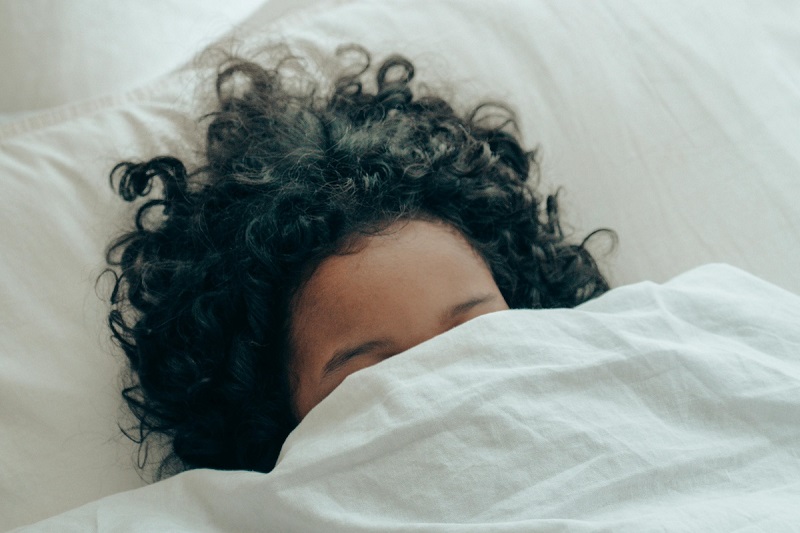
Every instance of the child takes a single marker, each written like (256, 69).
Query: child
(331, 228)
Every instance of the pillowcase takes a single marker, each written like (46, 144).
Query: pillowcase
(675, 125)
(60, 52)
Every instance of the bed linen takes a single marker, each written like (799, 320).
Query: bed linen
(654, 408)
(677, 124)
(55, 52)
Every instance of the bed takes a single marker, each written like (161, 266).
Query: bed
(669, 404)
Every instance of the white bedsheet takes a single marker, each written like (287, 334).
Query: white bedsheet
(656, 407)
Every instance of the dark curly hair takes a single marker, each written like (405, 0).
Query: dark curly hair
(294, 169)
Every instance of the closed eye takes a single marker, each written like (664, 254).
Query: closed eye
(340, 357)
(459, 309)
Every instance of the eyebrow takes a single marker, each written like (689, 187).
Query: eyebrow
(340, 357)
(463, 307)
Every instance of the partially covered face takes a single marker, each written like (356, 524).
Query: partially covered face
(400, 288)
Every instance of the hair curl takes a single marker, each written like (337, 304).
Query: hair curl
(204, 282)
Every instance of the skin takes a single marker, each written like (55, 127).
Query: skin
(407, 285)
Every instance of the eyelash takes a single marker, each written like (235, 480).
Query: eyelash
(385, 355)
(381, 356)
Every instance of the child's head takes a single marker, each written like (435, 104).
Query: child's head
(387, 294)
(330, 228)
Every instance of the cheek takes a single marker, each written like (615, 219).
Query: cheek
(309, 392)
(308, 395)
(302, 374)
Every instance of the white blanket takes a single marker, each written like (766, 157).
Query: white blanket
(670, 407)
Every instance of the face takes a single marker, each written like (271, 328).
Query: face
(412, 282)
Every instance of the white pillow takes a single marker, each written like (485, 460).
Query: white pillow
(60, 52)
(677, 125)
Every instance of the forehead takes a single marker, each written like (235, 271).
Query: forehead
(419, 260)
(404, 251)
